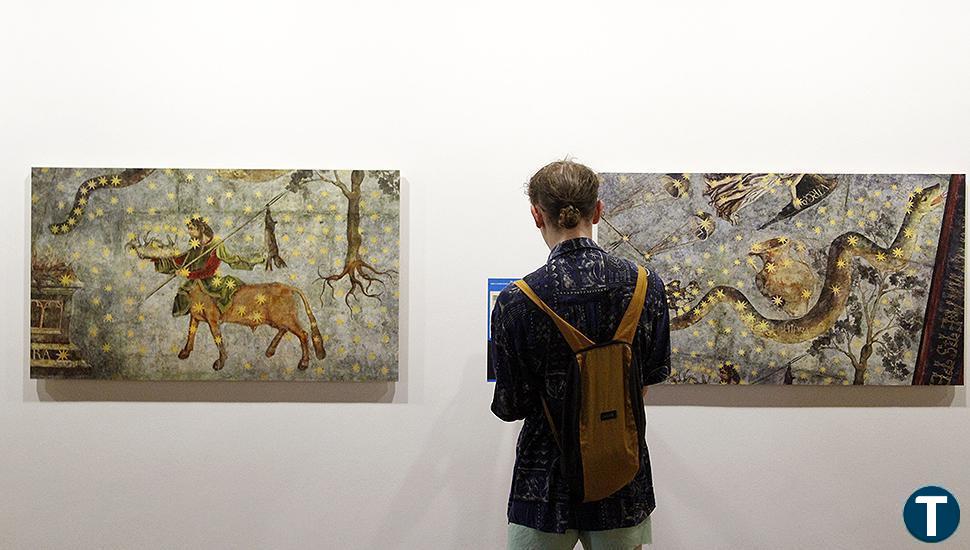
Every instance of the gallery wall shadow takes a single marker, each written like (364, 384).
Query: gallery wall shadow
(704, 395)
(217, 391)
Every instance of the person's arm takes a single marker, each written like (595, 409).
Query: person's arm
(656, 352)
(512, 399)
(237, 261)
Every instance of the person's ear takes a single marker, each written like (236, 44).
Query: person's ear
(537, 216)
(597, 212)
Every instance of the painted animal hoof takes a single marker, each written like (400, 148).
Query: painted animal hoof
(218, 364)
(304, 364)
(184, 354)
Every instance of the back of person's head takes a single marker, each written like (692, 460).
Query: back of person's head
(566, 191)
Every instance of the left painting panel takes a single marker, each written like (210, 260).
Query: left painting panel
(198, 274)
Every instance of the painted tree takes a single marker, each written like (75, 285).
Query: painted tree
(361, 274)
(881, 313)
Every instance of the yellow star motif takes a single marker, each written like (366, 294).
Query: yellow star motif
(82, 201)
(777, 300)
(217, 281)
(806, 294)
(193, 329)
(836, 289)
(256, 316)
(740, 305)
(720, 293)
(880, 257)
(217, 339)
(769, 267)
(228, 194)
(190, 177)
(241, 310)
(108, 318)
(909, 233)
(198, 307)
(853, 240)
(841, 263)
(260, 299)
(898, 252)
(194, 243)
(106, 347)
(65, 280)
(210, 200)
(182, 272)
(62, 355)
(230, 284)
(116, 181)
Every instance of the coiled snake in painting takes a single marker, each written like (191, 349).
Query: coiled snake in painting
(838, 279)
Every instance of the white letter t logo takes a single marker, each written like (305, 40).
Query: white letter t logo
(931, 503)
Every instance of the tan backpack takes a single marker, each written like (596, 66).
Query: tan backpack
(600, 440)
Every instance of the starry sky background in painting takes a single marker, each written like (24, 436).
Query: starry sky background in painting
(638, 206)
(121, 337)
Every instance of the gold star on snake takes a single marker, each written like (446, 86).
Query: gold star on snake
(841, 263)
(836, 289)
(853, 240)
(880, 257)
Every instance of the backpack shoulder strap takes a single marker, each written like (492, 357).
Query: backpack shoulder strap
(576, 340)
(631, 319)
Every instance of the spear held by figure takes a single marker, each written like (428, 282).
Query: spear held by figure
(273, 255)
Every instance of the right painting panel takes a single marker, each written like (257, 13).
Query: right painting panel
(823, 279)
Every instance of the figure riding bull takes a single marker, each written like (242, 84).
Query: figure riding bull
(209, 297)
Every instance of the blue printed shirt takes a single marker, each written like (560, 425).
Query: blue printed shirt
(591, 290)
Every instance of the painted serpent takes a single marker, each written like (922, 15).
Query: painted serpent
(838, 279)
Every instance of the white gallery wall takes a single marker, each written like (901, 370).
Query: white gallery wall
(467, 100)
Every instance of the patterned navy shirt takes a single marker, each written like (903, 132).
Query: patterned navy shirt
(591, 290)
